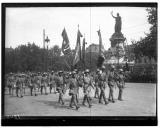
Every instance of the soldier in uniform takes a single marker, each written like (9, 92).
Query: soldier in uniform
(102, 85)
(52, 83)
(87, 88)
(120, 84)
(44, 83)
(10, 80)
(32, 83)
(73, 85)
(96, 95)
(111, 83)
(19, 84)
(60, 87)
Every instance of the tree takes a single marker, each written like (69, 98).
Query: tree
(148, 46)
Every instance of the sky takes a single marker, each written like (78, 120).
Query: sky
(25, 25)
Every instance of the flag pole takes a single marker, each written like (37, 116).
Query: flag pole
(43, 49)
(84, 53)
(100, 45)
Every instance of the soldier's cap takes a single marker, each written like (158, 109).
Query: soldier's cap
(103, 67)
(98, 70)
(112, 66)
(70, 73)
(87, 71)
(121, 70)
(74, 72)
(60, 72)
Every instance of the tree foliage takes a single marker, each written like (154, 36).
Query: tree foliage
(148, 46)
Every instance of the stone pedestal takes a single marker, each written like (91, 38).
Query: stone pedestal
(117, 48)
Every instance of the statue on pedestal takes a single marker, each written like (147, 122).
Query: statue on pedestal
(118, 23)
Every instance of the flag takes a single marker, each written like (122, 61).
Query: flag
(78, 49)
(65, 44)
(83, 50)
(101, 57)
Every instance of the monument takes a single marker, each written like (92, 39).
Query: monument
(117, 42)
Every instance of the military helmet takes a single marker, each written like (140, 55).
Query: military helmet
(98, 70)
(112, 67)
(121, 70)
(87, 71)
(60, 72)
(103, 67)
(74, 72)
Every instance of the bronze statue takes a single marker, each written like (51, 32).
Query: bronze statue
(118, 23)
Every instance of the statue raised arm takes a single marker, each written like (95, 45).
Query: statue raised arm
(118, 23)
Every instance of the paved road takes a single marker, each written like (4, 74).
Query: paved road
(139, 100)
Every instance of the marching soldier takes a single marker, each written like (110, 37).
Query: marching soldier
(60, 87)
(33, 84)
(44, 83)
(111, 83)
(10, 81)
(52, 83)
(73, 85)
(120, 84)
(96, 95)
(19, 84)
(87, 88)
(102, 85)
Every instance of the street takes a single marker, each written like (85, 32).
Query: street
(139, 99)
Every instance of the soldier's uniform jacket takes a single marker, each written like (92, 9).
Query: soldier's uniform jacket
(19, 82)
(52, 79)
(44, 81)
(73, 85)
(60, 83)
(87, 84)
(39, 80)
(10, 81)
(102, 80)
(111, 79)
(96, 79)
(121, 80)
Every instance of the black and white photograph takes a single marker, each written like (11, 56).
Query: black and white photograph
(79, 60)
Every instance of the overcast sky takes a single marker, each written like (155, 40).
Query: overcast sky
(25, 25)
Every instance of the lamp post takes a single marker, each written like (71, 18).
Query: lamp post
(47, 40)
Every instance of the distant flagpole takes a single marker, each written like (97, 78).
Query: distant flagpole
(100, 41)
(83, 51)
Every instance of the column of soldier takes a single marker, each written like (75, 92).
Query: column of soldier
(61, 81)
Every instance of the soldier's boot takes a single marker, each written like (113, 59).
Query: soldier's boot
(84, 100)
(71, 103)
(77, 98)
(50, 89)
(61, 98)
(100, 98)
(45, 91)
(89, 102)
(77, 107)
(113, 101)
(120, 95)
(109, 98)
(75, 101)
(17, 92)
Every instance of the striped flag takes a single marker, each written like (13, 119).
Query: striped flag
(78, 48)
(65, 44)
